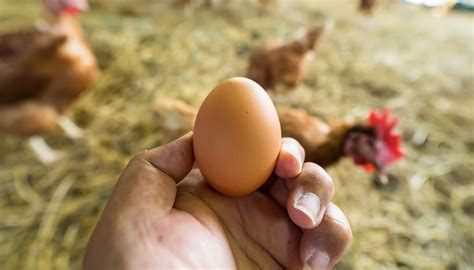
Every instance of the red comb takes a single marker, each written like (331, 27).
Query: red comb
(73, 11)
(384, 125)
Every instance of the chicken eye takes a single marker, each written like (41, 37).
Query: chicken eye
(371, 143)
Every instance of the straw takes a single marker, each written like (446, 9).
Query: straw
(419, 65)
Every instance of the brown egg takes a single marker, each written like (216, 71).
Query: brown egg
(237, 137)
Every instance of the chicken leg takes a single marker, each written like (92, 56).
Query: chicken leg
(70, 128)
(42, 150)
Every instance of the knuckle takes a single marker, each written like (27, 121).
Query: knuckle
(317, 174)
(140, 159)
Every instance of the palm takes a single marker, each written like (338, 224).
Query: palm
(210, 229)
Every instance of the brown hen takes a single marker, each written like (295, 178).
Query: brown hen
(43, 71)
(285, 63)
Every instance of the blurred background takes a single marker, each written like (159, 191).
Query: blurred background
(416, 58)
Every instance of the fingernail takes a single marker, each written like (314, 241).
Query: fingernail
(309, 204)
(293, 150)
(300, 165)
(319, 260)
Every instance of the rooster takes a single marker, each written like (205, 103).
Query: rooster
(285, 63)
(42, 72)
(372, 144)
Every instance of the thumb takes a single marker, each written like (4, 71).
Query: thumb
(150, 178)
(146, 190)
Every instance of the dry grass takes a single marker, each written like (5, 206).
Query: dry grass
(419, 65)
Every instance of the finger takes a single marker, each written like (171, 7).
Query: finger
(323, 246)
(289, 164)
(290, 159)
(309, 195)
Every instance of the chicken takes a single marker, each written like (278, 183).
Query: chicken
(285, 63)
(42, 72)
(371, 144)
(367, 7)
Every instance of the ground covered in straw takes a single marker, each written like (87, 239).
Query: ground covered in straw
(408, 59)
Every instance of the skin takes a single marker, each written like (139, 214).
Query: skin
(163, 215)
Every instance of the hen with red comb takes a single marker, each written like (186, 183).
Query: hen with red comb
(372, 144)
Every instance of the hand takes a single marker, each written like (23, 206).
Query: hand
(163, 215)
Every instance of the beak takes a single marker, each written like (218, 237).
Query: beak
(380, 175)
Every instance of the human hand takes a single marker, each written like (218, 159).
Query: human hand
(163, 215)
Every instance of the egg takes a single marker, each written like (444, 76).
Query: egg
(237, 137)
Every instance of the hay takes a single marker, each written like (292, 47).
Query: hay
(419, 65)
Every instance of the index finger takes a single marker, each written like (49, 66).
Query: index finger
(289, 165)
(290, 159)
